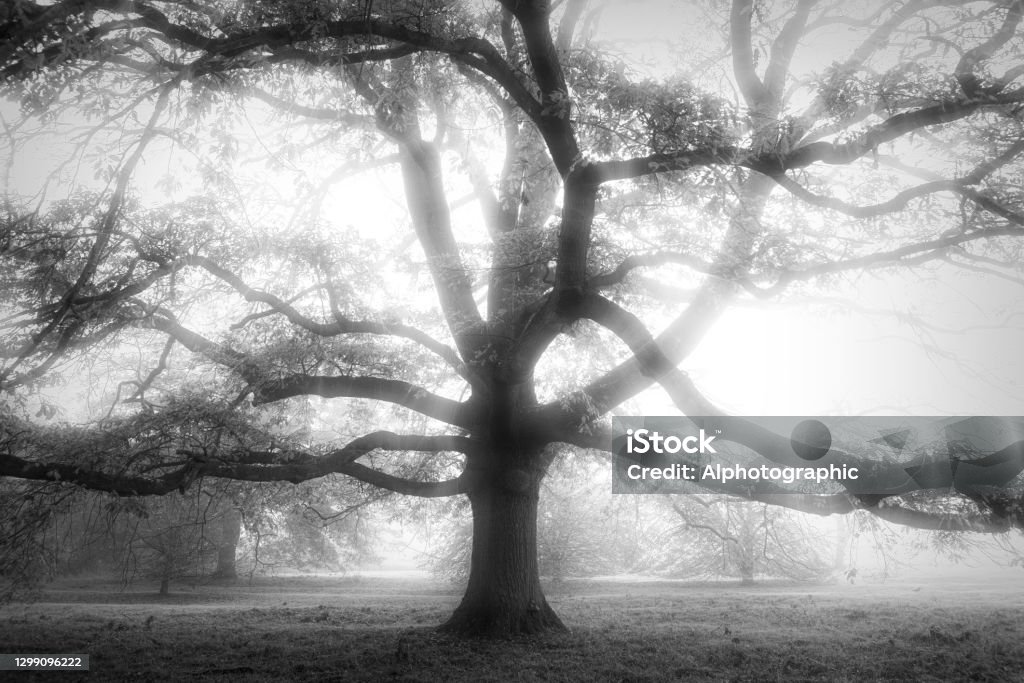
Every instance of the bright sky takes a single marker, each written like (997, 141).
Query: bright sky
(836, 358)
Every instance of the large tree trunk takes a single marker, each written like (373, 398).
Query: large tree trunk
(504, 595)
(230, 531)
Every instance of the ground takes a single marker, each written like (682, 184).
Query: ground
(374, 629)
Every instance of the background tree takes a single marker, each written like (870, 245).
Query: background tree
(714, 538)
(168, 543)
(316, 526)
(229, 532)
(747, 174)
(53, 531)
(28, 551)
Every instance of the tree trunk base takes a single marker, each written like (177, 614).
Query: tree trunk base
(498, 622)
(504, 597)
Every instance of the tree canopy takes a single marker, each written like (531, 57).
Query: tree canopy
(579, 219)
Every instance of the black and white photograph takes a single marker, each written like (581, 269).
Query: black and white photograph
(512, 340)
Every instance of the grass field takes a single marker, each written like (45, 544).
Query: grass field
(359, 629)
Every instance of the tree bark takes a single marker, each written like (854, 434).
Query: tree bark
(230, 531)
(504, 596)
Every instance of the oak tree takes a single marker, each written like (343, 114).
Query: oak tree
(552, 195)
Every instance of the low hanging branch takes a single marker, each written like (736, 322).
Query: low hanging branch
(295, 467)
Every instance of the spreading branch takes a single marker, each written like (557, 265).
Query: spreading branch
(393, 391)
(299, 469)
(340, 324)
(269, 388)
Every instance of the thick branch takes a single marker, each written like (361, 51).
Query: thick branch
(892, 128)
(375, 388)
(753, 90)
(580, 199)
(553, 118)
(408, 487)
(683, 160)
(888, 509)
(196, 343)
(652, 361)
(431, 218)
(783, 47)
(268, 389)
(966, 70)
(340, 461)
(979, 522)
(567, 25)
